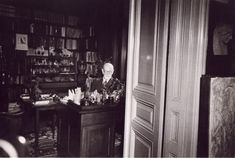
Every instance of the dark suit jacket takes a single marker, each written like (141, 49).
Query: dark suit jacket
(113, 84)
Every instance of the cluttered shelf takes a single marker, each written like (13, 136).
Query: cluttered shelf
(65, 84)
(51, 45)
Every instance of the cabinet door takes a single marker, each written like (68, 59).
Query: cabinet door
(63, 133)
(74, 127)
(97, 140)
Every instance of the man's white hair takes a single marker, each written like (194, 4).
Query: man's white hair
(108, 65)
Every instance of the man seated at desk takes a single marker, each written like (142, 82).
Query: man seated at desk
(107, 83)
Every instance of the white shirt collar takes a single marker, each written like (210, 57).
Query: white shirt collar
(106, 79)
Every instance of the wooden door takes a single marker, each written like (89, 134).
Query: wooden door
(147, 49)
(186, 64)
(166, 58)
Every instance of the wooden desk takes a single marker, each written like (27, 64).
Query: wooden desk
(87, 131)
(83, 131)
(50, 106)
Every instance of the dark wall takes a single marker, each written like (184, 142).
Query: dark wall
(221, 13)
(112, 33)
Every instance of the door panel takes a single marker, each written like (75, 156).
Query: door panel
(146, 76)
(175, 101)
(185, 66)
(145, 85)
(144, 114)
(97, 140)
(143, 147)
(146, 50)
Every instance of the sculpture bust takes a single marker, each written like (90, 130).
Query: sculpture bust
(221, 37)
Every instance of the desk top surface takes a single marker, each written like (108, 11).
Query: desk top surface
(74, 106)
(51, 104)
(44, 104)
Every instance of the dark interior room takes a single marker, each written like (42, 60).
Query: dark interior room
(51, 54)
(117, 78)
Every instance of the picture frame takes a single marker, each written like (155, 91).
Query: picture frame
(21, 42)
(220, 44)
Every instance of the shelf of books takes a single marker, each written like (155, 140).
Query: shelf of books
(51, 48)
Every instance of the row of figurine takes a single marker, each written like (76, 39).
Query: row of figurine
(77, 96)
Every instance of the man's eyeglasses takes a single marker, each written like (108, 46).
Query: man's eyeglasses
(108, 71)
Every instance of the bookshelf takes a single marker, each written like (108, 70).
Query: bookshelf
(47, 47)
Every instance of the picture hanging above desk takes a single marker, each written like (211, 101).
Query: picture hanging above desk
(21, 42)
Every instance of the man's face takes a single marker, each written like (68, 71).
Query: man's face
(107, 71)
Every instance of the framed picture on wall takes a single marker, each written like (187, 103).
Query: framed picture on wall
(21, 42)
(222, 35)
(221, 43)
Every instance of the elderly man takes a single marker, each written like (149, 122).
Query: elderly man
(107, 83)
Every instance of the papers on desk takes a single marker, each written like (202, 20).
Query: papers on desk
(25, 96)
(45, 96)
(41, 102)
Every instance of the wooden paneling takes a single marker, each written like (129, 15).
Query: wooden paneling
(172, 155)
(146, 57)
(175, 55)
(96, 140)
(87, 133)
(176, 69)
(96, 118)
(144, 115)
(143, 147)
(174, 127)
